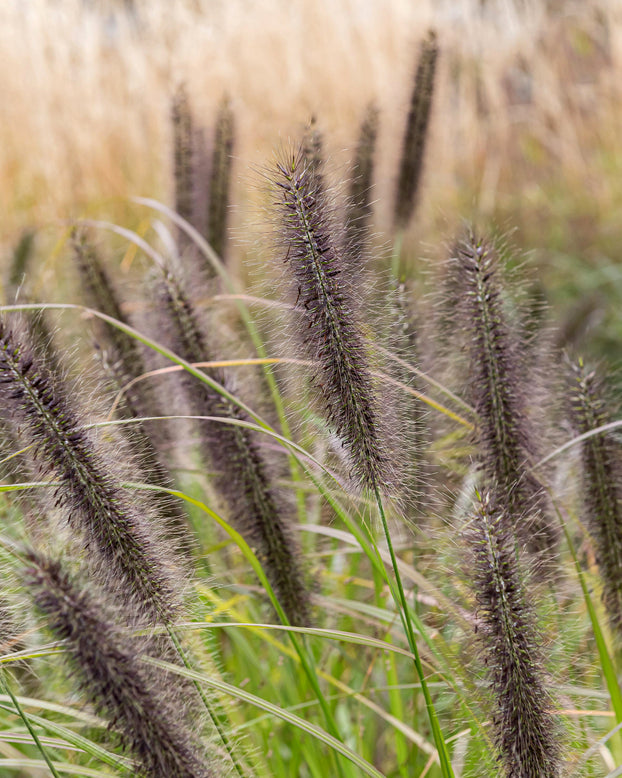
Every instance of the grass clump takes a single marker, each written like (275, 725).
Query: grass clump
(359, 474)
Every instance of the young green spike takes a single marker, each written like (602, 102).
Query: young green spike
(140, 705)
(413, 146)
(499, 390)
(601, 485)
(330, 332)
(526, 734)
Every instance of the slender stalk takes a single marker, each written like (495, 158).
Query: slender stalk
(402, 605)
(20, 711)
(215, 719)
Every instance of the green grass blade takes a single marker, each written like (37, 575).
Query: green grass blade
(4, 683)
(275, 710)
(80, 742)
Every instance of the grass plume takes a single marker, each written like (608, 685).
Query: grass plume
(139, 705)
(220, 178)
(125, 361)
(182, 121)
(122, 362)
(601, 484)
(525, 733)
(413, 145)
(500, 389)
(326, 319)
(243, 478)
(42, 412)
(360, 204)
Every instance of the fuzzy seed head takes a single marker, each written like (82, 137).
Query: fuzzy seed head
(181, 116)
(220, 179)
(525, 732)
(124, 361)
(360, 205)
(126, 554)
(601, 485)
(326, 319)
(499, 392)
(413, 148)
(242, 477)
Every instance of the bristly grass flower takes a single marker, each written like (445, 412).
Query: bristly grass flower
(525, 732)
(361, 182)
(123, 364)
(125, 550)
(243, 476)
(413, 146)
(334, 341)
(220, 178)
(601, 486)
(182, 121)
(328, 326)
(140, 704)
(500, 391)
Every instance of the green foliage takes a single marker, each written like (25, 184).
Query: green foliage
(224, 547)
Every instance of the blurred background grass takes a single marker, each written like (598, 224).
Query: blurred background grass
(525, 135)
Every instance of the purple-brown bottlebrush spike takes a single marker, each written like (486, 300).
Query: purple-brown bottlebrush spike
(359, 204)
(243, 477)
(181, 116)
(125, 362)
(413, 146)
(17, 291)
(411, 411)
(220, 178)
(313, 150)
(526, 734)
(500, 392)
(122, 362)
(184, 164)
(326, 319)
(125, 551)
(601, 486)
(140, 705)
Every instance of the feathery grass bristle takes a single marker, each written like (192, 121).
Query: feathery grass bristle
(601, 485)
(359, 203)
(42, 412)
(181, 115)
(500, 390)
(122, 362)
(220, 178)
(526, 734)
(139, 704)
(327, 322)
(125, 361)
(243, 476)
(413, 146)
